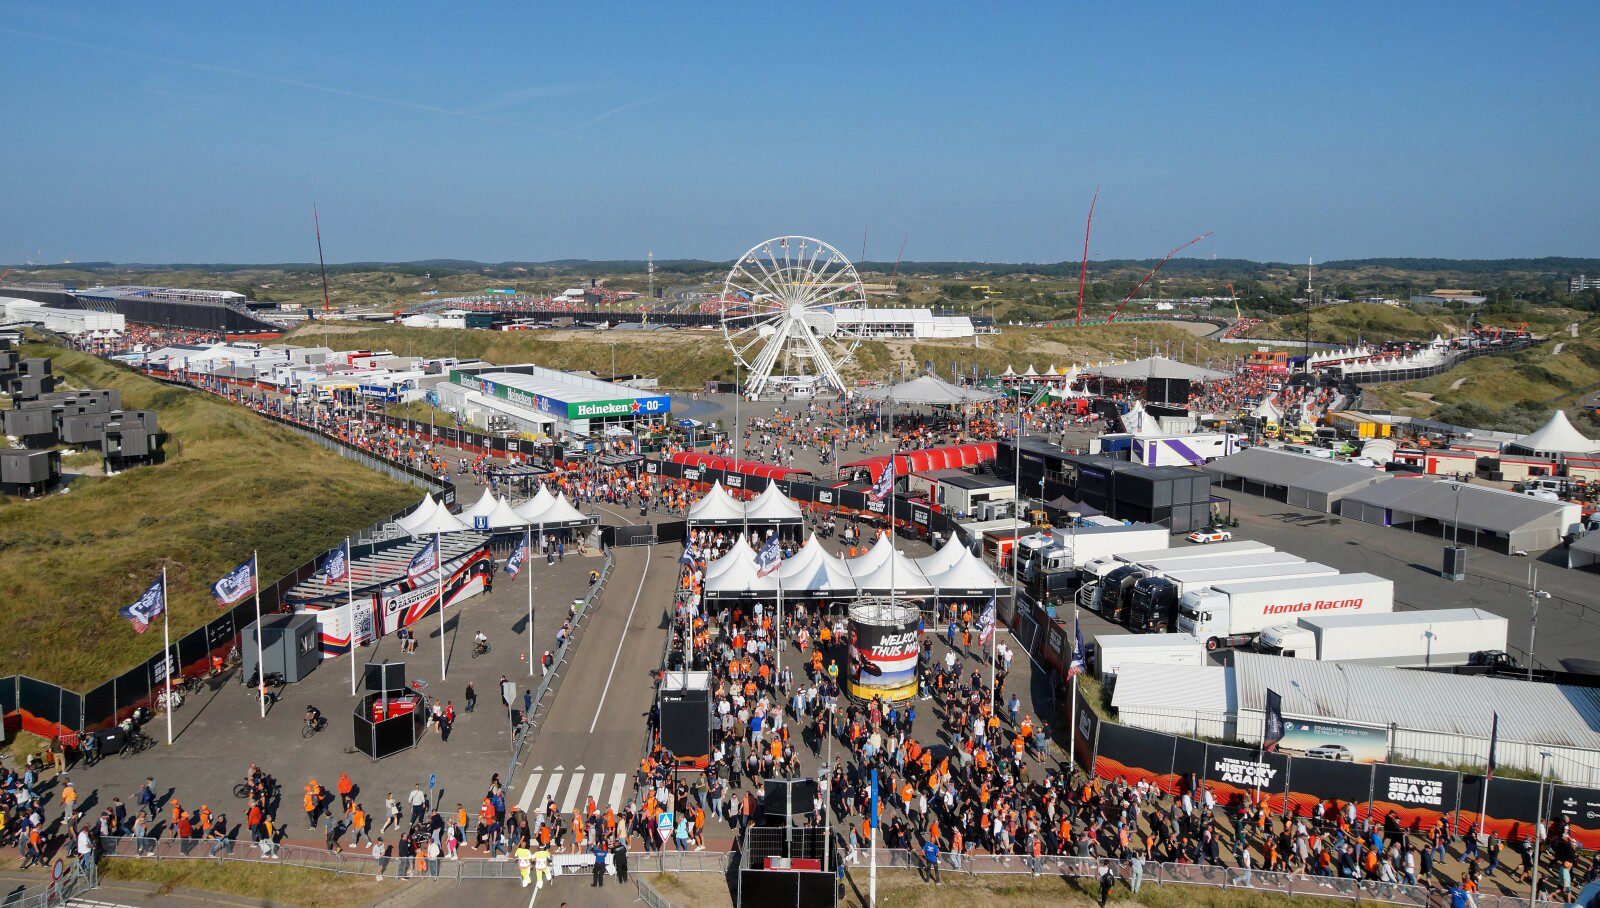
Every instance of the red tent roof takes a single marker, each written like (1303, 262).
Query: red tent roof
(949, 457)
(730, 465)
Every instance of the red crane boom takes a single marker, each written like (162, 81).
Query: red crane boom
(1083, 272)
(1140, 285)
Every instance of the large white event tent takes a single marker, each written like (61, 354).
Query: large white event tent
(951, 572)
(430, 517)
(719, 508)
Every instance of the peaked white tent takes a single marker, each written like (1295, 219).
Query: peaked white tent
(740, 552)
(771, 506)
(716, 507)
(558, 513)
(896, 574)
(739, 577)
(483, 507)
(504, 517)
(535, 505)
(419, 515)
(869, 560)
(968, 576)
(814, 570)
(1556, 437)
(942, 559)
(436, 520)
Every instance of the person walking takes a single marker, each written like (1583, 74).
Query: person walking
(524, 864)
(1136, 872)
(419, 804)
(471, 697)
(1107, 880)
(930, 856)
(619, 860)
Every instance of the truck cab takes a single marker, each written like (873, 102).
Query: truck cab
(1115, 590)
(1201, 613)
(1153, 605)
(1288, 640)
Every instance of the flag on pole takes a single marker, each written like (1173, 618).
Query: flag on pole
(1494, 741)
(874, 799)
(146, 608)
(518, 555)
(235, 586)
(1272, 729)
(335, 565)
(768, 559)
(425, 560)
(689, 556)
(1076, 666)
(986, 623)
(885, 484)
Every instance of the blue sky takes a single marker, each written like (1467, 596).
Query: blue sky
(204, 132)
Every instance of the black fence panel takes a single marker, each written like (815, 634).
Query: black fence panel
(1513, 808)
(1328, 782)
(100, 705)
(39, 699)
(8, 694)
(133, 688)
(1418, 798)
(1134, 755)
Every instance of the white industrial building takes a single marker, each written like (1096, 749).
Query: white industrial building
(919, 324)
(535, 400)
(73, 322)
(1433, 717)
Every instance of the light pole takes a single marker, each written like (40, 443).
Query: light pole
(1534, 595)
(1455, 559)
(1538, 830)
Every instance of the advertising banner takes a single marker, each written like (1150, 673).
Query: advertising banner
(1134, 755)
(1328, 782)
(883, 658)
(1235, 773)
(1341, 742)
(1083, 735)
(1188, 766)
(1581, 807)
(1417, 797)
(1513, 807)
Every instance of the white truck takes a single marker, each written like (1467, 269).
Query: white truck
(1111, 596)
(1113, 650)
(1231, 614)
(1095, 569)
(1048, 564)
(1433, 638)
(1153, 601)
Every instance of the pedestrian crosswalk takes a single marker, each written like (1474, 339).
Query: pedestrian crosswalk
(570, 789)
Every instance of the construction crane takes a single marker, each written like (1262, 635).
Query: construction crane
(1140, 285)
(1083, 270)
(1233, 295)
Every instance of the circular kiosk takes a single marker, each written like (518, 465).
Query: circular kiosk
(884, 644)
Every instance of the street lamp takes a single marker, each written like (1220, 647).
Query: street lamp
(1455, 559)
(1538, 829)
(1534, 595)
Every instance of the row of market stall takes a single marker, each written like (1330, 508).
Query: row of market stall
(771, 508)
(543, 513)
(950, 573)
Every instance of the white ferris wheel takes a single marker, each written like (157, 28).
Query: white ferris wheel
(779, 312)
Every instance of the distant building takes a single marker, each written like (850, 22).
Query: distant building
(902, 322)
(1582, 282)
(1444, 297)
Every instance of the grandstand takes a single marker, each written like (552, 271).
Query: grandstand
(221, 311)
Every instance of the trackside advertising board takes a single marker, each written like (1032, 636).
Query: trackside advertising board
(1339, 742)
(642, 405)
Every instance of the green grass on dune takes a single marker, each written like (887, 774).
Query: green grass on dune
(231, 482)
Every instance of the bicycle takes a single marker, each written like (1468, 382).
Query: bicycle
(479, 649)
(137, 742)
(312, 727)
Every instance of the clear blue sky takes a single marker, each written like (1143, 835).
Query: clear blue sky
(204, 132)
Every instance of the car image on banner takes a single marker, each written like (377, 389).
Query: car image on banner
(1339, 742)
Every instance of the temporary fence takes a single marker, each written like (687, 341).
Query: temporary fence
(1163, 874)
(548, 682)
(75, 880)
(360, 860)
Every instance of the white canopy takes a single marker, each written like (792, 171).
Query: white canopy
(540, 501)
(941, 560)
(741, 577)
(869, 560)
(897, 574)
(813, 569)
(559, 511)
(437, 520)
(419, 515)
(740, 552)
(483, 507)
(967, 574)
(716, 505)
(772, 504)
(929, 390)
(1558, 436)
(504, 517)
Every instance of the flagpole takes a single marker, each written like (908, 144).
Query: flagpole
(350, 611)
(1016, 539)
(1488, 776)
(438, 558)
(1072, 694)
(255, 565)
(527, 565)
(166, 633)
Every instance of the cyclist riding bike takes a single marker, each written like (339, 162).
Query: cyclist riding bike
(480, 642)
(313, 717)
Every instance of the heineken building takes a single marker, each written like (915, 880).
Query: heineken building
(538, 401)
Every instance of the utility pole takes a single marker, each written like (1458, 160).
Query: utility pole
(1534, 595)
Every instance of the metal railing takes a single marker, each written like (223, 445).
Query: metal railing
(1269, 882)
(547, 683)
(359, 859)
(76, 880)
(649, 895)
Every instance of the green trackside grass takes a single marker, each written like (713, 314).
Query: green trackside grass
(1345, 323)
(231, 482)
(269, 883)
(1537, 375)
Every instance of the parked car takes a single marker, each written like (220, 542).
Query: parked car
(1211, 534)
(1336, 752)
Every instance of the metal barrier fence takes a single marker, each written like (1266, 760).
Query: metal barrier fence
(359, 860)
(76, 880)
(548, 681)
(649, 895)
(1270, 883)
